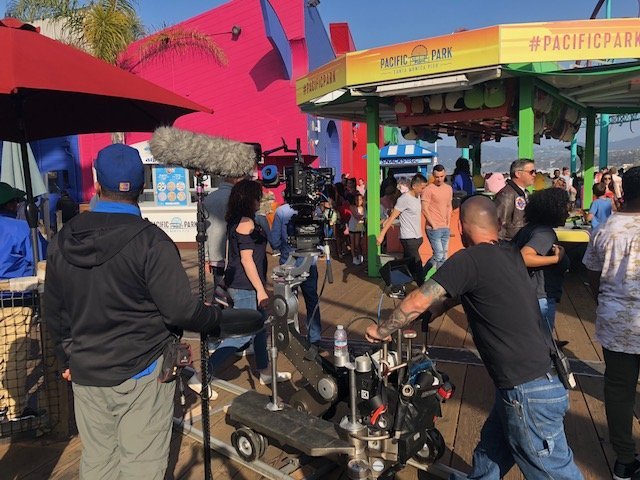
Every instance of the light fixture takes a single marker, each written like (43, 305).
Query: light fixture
(599, 86)
(429, 85)
(235, 32)
(329, 97)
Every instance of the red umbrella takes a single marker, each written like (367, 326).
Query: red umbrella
(49, 89)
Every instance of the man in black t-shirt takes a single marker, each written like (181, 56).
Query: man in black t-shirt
(489, 278)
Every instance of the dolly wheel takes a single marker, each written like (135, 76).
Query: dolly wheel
(248, 444)
(264, 443)
(433, 447)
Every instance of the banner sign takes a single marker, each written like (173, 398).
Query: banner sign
(321, 81)
(448, 53)
(387, 162)
(500, 45)
(568, 41)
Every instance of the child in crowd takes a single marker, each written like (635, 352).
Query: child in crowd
(357, 228)
(330, 218)
(601, 207)
(344, 214)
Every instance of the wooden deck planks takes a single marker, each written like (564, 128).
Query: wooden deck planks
(579, 297)
(353, 295)
(448, 424)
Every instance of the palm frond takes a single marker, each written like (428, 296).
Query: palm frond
(31, 10)
(175, 40)
(109, 26)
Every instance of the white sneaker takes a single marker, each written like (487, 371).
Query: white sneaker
(356, 260)
(195, 384)
(266, 379)
(246, 352)
(212, 345)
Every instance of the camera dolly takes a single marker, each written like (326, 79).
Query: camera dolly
(393, 398)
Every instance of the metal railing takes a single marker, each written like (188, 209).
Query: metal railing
(34, 399)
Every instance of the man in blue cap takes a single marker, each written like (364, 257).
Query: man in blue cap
(116, 296)
(16, 260)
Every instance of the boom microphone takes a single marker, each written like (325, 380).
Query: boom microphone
(214, 155)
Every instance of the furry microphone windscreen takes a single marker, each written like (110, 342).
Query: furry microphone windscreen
(214, 155)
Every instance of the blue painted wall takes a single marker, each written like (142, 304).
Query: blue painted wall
(320, 51)
(276, 35)
(319, 46)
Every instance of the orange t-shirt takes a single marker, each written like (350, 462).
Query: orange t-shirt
(436, 201)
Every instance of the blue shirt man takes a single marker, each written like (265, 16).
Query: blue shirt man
(600, 211)
(278, 240)
(16, 253)
(16, 260)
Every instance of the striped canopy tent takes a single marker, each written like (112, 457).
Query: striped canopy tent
(410, 154)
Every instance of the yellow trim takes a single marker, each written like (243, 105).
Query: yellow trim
(571, 235)
(516, 43)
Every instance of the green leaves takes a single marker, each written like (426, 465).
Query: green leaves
(105, 28)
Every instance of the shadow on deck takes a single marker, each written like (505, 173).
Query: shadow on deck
(355, 307)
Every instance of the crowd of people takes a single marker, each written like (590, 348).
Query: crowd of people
(509, 279)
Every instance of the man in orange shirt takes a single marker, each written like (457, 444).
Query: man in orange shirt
(437, 207)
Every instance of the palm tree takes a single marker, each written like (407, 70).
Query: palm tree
(105, 28)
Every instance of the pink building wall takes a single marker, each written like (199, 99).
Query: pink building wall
(353, 135)
(252, 97)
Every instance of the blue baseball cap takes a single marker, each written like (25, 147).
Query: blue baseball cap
(119, 168)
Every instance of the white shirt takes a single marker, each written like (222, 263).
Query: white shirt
(568, 180)
(410, 208)
(615, 251)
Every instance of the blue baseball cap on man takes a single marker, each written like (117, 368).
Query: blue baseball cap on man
(119, 168)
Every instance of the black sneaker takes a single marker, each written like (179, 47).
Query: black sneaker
(626, 471)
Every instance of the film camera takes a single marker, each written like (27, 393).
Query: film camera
(305, 189)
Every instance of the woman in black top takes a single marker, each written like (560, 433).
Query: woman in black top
(542, 255)
(246, 272)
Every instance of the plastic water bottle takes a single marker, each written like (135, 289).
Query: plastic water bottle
(340, 348)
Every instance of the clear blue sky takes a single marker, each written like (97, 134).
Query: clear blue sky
(382, 22)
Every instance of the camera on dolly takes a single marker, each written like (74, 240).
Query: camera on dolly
(305, 188)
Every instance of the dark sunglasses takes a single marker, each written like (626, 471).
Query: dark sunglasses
(530, 172)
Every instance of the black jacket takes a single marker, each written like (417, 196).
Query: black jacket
(115, 290)
(510, 202)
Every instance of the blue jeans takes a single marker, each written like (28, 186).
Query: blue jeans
(309, 290)
(228, 346)
(526, 426)
(439, 240)
(548, 310)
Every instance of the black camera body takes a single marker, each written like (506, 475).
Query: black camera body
(306, 185)
(305, 188)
